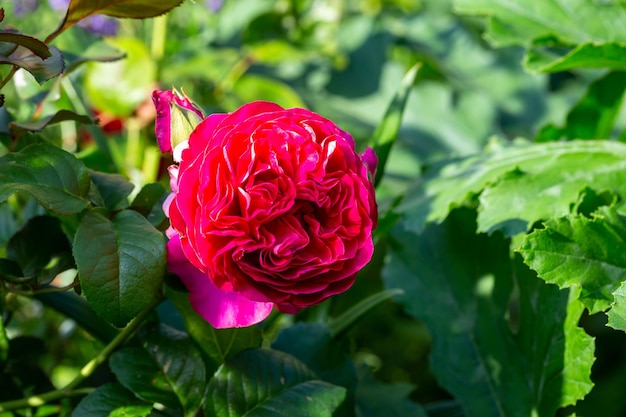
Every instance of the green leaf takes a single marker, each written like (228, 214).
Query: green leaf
(41, 248)
(35, 45)
(586, 24)
(218, 344)
(55, 178)
(500, 347)
(4, 341)
(137, 9)
(41, 69)
(18, 129)
(111, 400)
(387, 130)
(113, 190)
(121, 263)
(167, 368)
(542, 181)
(119, 87)
(594, 115)
(375, 399)
(269, 383)
(148, 203)
(586, 55)
(581, 252)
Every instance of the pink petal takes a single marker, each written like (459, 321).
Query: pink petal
(222, 309)
(370, 160)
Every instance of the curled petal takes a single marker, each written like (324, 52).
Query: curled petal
(370, 160)
(222, 309)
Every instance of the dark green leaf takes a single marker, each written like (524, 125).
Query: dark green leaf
(581, 252)
(35, 45)
(18, 129)
(523, 183)
(121, 263)
(496, 359)
(4, 343)
(55, 178)
(375, 399)
(313, 344)
(137, 9)
(113, 189)
(167, 368)
(41, 69)
(218, 344)
(111, 400)
(268, 383)
(41, 248)
(594, 115)
(387, 131)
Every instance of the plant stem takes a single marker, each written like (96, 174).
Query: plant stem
(70, 389)
(9, 76)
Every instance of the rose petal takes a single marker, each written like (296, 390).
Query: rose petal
(222, 309)
(163, 101)
(370, 160)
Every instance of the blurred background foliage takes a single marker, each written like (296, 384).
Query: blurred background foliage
(341, 58)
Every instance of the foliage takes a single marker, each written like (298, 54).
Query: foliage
(498, 284)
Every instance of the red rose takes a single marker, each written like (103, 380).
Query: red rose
(270, 206)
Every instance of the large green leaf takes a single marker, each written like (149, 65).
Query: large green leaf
(218, 344)
(55, 178)
(540, 23)
(376, 399)
(110, 190)
(586, 55)
(138, 9)
(520, 184)
(581, 252)
(594, 115)
(269, 383)
(121, 263)
(111, 400)
(505, 343)
(167, 368)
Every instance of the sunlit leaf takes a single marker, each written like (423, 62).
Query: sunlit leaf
(520, 184)
(41, 69)
(17, 128)
(137, 9)
(55, 178)
(581, 252)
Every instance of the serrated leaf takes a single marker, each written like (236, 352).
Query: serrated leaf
(41, 69)
(137, 9)
(387, 130)
(532, 363)
(121, 263)
(17, 129)
(617, 313)
(167, 368)
(111, 400)
(594, 115)
(218, 344)
(269, 383)
(521, 184)
(114, 189)
(55, 178)
(38, 243)
(35, 45)
(575, 251)
(586, 55)
(586, 24)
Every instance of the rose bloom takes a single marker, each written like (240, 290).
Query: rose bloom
(269, 207)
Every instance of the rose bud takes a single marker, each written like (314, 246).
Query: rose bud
(176, 118)
(270, 207)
